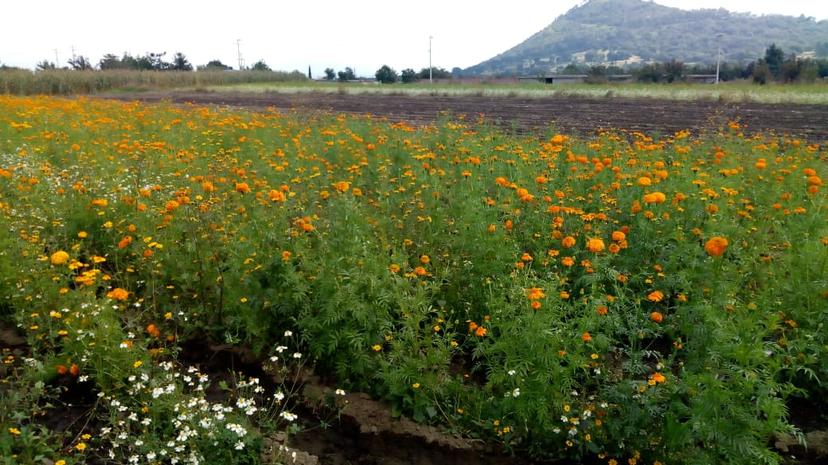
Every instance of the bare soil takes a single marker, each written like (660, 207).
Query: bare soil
(569, 114)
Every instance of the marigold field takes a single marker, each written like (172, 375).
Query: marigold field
(614, 299)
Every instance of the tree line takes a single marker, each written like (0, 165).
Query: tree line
(388, 75)
(148, 62)
(774, 66)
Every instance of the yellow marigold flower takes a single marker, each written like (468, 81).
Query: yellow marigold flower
(81, 446)
(376, 347)
(59, 258)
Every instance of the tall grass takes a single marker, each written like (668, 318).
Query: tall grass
(66, 82)
(814, 94)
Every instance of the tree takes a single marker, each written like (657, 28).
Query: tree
(260, 66)
(436, 73)
(180, 63)
(673, 71)
(649, 73)
(347, 75)
(774, 57)
(80, 63)
(215, 65)
(45, 65)
(386, 75)
(408, 76)
(791, 69)
(761, 72)
(330, 75)
(110, 61)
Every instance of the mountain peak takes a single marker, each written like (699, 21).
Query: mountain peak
(627, 32)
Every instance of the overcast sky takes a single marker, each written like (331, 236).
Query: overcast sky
(295, 34)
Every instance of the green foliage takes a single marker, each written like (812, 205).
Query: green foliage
(386, 75)
(180, 63)
(215, 65)
(430, 267)
(409, 76)
(261, 66)
(436, 73)
(615, 30)
(774, 57)
(330, 75)
(65, 82)
(347, 75)
(80, 63)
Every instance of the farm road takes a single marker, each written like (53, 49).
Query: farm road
(566, 114)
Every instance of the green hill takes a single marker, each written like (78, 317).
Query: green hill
(619, 32)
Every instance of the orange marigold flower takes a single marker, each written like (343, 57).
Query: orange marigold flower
(602, 310)
(74, 370)
(100, 202)
(118, 294)
(655, 296)
(342, 186)
(716, 246)
(618, 236)
(425, 260)
(61, 370)
(536, 305)
(567, 261)
(242, 187)
(153, 330)
(124, 243)
(595, 245)
(171, 206)
(586, 337)
(568, 241)
(655, 197)
(481, 331)
(420, 271)
(657, 317)
(657, 378)
(276, 196)
(535, 293)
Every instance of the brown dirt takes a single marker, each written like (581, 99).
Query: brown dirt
(569, 114)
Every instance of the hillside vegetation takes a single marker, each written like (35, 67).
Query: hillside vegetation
(623, 32)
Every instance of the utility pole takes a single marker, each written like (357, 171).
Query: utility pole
(430, 80)
(238, 51)
(718, 56)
